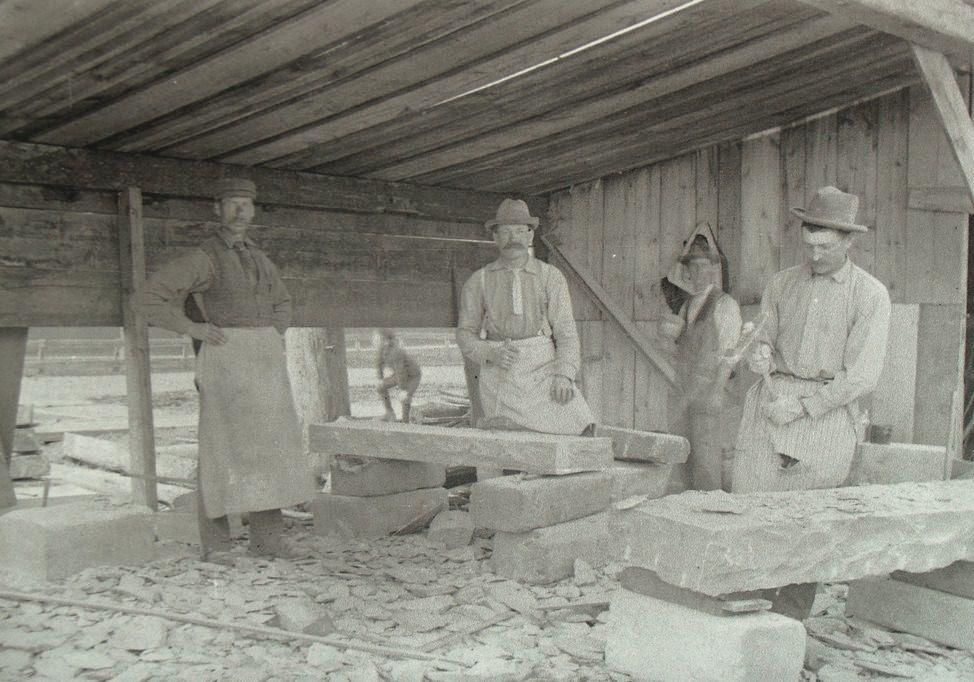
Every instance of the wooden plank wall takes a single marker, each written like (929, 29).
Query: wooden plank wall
(352, 253)
(881, 150)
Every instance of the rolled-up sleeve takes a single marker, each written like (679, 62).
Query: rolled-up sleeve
(161, 300)
(563, 329)
(864, 357)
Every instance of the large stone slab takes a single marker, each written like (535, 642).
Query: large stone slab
(28, 466)
(645, 446)
(546, 555)
(958, 579)
(717, 543)
(515, 504)
(538, 453)
(630, 479)
(938, 616)
(367, 476)
(362, 517)
(51, 543)
(898, 463)
(651, 639)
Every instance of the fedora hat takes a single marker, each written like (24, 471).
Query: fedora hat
(235, 187)
(512, 212)
(832, 208)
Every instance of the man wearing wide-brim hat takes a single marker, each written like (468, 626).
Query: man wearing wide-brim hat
(516, 325)
(823, 344)
(250, 453)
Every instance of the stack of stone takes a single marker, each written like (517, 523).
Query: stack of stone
(544, 523)
(371, 497)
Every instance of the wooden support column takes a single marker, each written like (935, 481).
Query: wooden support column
(13, 345)
(142, 448)
(951, 107)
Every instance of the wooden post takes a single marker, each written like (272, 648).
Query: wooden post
(142, 448)
(13, 346)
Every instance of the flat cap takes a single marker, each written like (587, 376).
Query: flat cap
(235, 187)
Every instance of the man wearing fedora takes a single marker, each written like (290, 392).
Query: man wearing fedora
(516, 324)
(705, 331)
(250, 454)
(823, 347)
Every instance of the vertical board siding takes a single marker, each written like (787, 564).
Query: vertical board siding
(635, 225)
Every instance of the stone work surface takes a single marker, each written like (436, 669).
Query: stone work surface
(516, 504)
(630, 479)
(716, 543)
(898, 463)
(56, 542)
(651, 639)
(538, 453)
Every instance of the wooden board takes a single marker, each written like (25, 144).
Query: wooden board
(893, 401)
(856, 173)
(790, 251)
(729, 226)
(590, 334)
(537, 453)
(940, 337)
(931, 614)
(760, 215)
(892, 192)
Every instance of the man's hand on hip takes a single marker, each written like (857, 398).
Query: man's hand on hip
(208, 333)
(562, 389)
(784, 410)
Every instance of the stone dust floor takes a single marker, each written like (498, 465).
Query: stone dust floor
(402, 592)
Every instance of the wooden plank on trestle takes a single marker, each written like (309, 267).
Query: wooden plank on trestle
(138, 374)
(892, 144)
(13, 346)
(792, 195)
(715, 543)
(538, 453)
(618, 267)
(760, 214)
(645, 446)
(931, 614)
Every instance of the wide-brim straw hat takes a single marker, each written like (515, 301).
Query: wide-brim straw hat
(832, 208)
(512, 212)
(235, 187)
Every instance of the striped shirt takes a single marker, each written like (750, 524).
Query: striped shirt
(828, 328)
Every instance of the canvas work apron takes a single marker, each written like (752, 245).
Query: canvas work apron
(824, 446)
(520, 397)
(251, 457)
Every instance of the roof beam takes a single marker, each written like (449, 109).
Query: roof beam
(951, 107)
(941, 25)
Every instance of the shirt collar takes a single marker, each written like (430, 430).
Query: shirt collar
(533, 265)
(840, 275)
(246, 240)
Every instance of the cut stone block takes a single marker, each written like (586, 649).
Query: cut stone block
(960, 468)
(50, 543)
(937, 616)
(538, 453)
(898, 463)
(956, 579)
(452, 528)
(515, 504)
(717, 543)
(645, 582)
(651, 639)
(112, 456)
(645, 446)
(177, 525)
(545, 555)
(366, 476)
(639, 478)
(25, 440)
(356, 517)
(28, 466)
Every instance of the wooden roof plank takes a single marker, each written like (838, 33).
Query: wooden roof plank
(24, 23)
(278, 45)
(558, 28)
(580, 113)
(177, 45)
(755, 108)
(759, 80)
(411, 28)
(600, 71)
(935, 24)
(28, 163)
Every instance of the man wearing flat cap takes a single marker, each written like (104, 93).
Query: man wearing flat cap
(250, 454)
(823, 345)
(516, 324)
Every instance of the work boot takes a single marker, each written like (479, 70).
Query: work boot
(215, 539)
(267, 536)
